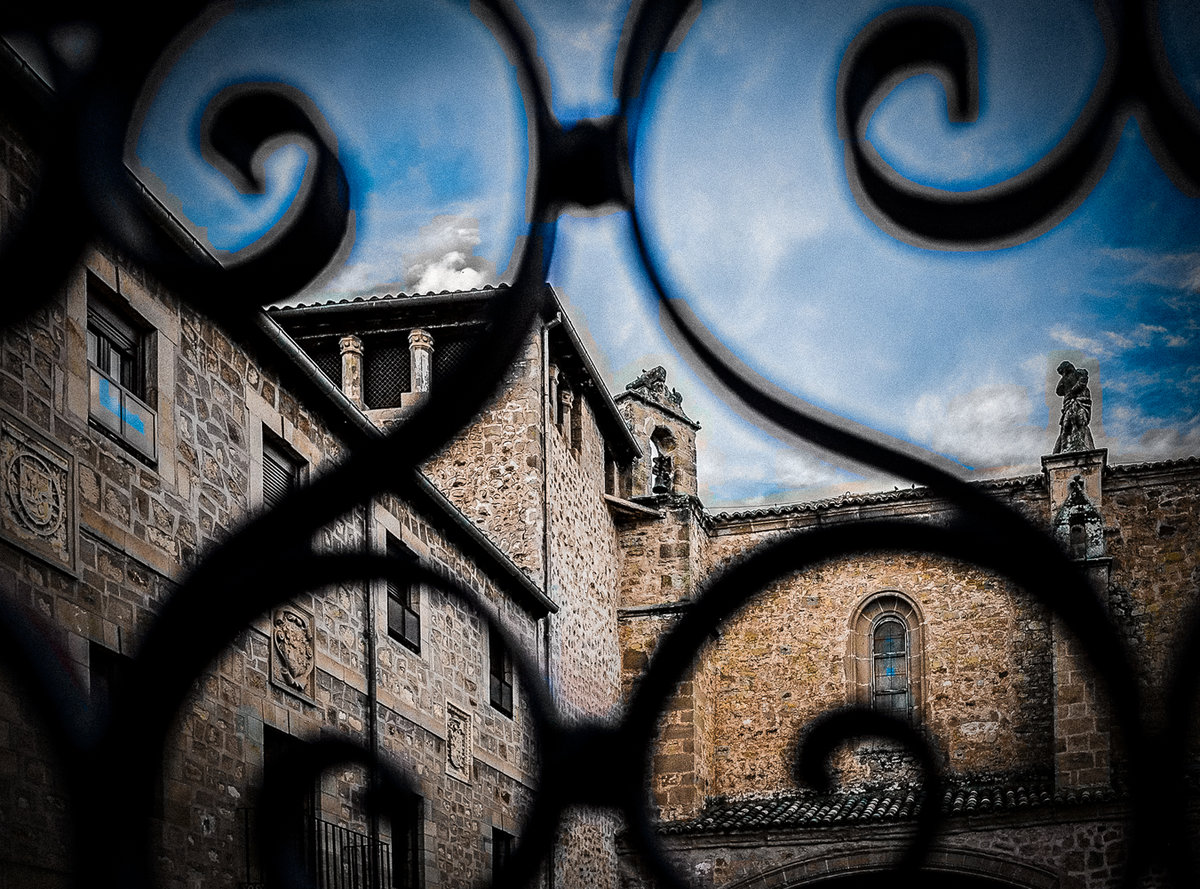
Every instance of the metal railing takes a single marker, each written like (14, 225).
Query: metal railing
(84, 192)
(334, 856)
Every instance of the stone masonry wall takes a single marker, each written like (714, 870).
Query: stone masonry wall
(141, 525)
(782, 663)
(585, 666)
(492, 469)
(1152, 523)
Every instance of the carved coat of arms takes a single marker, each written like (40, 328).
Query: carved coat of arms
(35, 493)
(459, 754)
(293, 643)
(37, 505)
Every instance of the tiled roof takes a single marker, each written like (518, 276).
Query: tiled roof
(384, 297)
(1178, 463)
(898, 495)
(901, 495)
(871, 807)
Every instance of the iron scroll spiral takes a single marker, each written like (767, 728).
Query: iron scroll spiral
(84, 192)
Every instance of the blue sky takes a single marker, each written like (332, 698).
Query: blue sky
(741, 188)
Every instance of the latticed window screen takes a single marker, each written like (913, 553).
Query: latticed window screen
(328, 358)
(449, 354)
(386, 374)
(889, 681)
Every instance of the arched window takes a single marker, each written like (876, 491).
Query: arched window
(890, 689)
(884, 661)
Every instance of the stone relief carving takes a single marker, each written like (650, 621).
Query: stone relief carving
(459, 753)
(1074, 434)
(293, 654)
(653, 384)
(1078, 525)
(37, 507)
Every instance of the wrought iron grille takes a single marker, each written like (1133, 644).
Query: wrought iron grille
(334, 856)
(452, 356)
(386, 374)
(109, 766)
(329, 360)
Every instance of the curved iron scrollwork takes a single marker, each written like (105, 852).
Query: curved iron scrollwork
(84, 193)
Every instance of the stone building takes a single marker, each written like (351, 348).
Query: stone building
(137, 434)
(1034, 795)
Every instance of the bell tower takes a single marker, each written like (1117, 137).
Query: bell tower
(666, 435)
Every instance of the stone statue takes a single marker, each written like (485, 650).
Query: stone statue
(1074, 434)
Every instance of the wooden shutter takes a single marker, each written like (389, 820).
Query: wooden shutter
(279, 475)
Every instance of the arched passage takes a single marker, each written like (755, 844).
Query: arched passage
(870, 868)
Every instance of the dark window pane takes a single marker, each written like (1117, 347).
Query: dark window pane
(406, 844)
(500, 670)
(502, 843)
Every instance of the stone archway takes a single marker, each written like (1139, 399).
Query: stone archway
(869, 868)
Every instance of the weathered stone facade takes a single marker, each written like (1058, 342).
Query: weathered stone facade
(574, 518)
(95, 536)
(1004, 692)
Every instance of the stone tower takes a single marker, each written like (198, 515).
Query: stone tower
(667, 436)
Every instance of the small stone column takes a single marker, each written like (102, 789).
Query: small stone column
(552, 386)
(420, 350)
(352, 367)
(566, 398)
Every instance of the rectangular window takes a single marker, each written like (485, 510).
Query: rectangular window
(404, 601)
(117, 371)
(500, 669)
(107, 676)
(407, 832)
(280, 471)
(502, 843)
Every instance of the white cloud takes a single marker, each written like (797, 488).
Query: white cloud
(740, 464)
(986, 427)
(1072, 340)
(1110, 342)
(441, 257)
(1178, 271)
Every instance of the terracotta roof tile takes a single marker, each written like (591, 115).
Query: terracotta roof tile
(884, 805)
(381, 297)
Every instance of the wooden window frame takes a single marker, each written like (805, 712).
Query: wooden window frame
(403, 602)
(501, 693)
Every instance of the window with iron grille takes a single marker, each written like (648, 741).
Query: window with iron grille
(450, 353)
(500, 670)
(328, 359)
(404, 602)
(890, 692)
(407, 833)
(386, 372)
(117, 371)
(281, 470)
